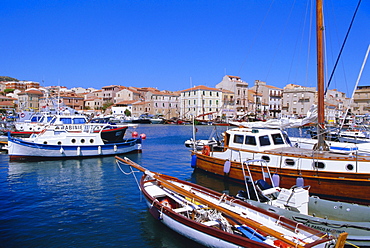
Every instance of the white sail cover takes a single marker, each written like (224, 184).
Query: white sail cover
(282, 123)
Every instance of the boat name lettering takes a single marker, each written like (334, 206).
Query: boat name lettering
(324, 229)
(73, 127)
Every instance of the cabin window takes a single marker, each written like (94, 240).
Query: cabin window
(277, 139)
(266, 158)
(238, 139)
(250, 140)
(319, 165)
(289, 161)
(82, 141)
(79, 120)
(73, 140)
(349, 167)
(91, 140)
(59, 143)
(264, 140)
(45, 142)
(66, 120)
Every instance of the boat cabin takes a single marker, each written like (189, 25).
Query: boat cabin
(256, 139)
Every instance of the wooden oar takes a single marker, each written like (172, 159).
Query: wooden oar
(229, 213)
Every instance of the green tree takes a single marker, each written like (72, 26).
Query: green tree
(6, 91)
(106, 105)
(127, 112)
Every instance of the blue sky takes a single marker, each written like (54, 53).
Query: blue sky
(172, 45)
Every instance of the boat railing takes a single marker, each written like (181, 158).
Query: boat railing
(261, 161)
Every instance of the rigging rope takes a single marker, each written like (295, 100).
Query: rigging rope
(341, 49)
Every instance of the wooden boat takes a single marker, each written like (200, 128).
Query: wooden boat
(218, 220)
(330, 175)
(55, 142)
(296, 204)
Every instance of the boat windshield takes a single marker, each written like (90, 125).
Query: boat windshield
(286, 137)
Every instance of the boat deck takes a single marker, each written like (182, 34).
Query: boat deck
(293, 151)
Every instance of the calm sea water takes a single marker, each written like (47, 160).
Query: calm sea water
(90, 202)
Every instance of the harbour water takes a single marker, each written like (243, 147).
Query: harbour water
(90, 202)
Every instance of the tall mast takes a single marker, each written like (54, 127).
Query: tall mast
(321, 145)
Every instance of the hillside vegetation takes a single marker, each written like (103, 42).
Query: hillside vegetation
(6, 79)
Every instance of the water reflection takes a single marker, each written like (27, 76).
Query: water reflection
(216, 183)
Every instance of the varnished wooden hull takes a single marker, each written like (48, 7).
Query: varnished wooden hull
(350, 187)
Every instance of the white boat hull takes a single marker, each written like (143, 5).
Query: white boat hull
(23, 150)
(193, 234)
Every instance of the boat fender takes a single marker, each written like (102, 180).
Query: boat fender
(227, 166)
(143, 136)
(61, 150)
(99, 150)
(78, 151)
(115, 148)
(206, 150)
(134, 134)
(276, 180)
(193, 161)
(300, 182)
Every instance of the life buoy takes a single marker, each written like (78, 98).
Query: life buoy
(166, 203)
(206, 150)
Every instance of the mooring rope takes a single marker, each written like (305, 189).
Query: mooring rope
(128, 173)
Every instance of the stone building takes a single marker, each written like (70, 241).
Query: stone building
(240, 89)
(270, 105)
(109, 92)
(200, 102)
(361, 101)
(29, 100)
(297, 100)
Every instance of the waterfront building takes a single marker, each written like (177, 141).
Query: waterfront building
(228, 111)
(72, 100)
(128, 94)
(21, 85)
(29, 100)
(200, 102)
(240, 89)
(109, 92)
(270, 104)
(297, 100)
(336, 104)
(161, 103)
(81, 90)
(146, 100)
(7, 103)
(361, 100)
(124, 108)
(93, 103)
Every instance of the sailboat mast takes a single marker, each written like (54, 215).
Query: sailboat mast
(320, 75)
